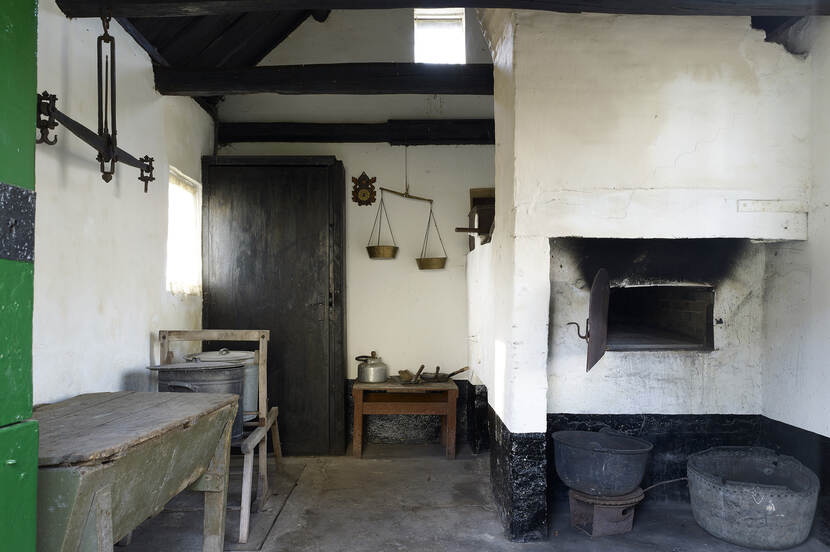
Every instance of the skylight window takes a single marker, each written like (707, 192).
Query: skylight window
(439, 35)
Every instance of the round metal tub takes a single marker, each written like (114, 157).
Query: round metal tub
(603, 463)
(752, 497)
(250, 389)
(204, 377)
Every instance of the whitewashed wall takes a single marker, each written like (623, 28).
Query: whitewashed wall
(658, 127)
(410, 316)
(633, 127)
(358, 36)
(797, 299)
(100, 289)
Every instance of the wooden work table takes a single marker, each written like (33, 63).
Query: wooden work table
(396, 398)
(108, 461)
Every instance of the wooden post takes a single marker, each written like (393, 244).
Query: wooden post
(357, 440)
(262, 490)
(275, 435)
(164, 348)
(215, 501)
(263, 378)
(452, 398)
(245, 506)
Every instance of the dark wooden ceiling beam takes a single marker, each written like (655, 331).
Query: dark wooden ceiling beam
(142, 41)
(178, 8)
(337, 78)
(320, 16)
(260, 44)
(196, 37)
(418, 132)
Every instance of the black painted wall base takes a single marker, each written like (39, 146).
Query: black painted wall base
(471, 421)
(518, 474)
(676, 436)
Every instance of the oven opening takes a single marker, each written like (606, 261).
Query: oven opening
(661, 318)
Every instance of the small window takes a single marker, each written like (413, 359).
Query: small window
(184, 234)
(439, 35)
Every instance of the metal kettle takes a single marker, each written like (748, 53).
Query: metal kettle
(371, 369)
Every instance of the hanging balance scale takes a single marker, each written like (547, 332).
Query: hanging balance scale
(431, 263)
(379, 251)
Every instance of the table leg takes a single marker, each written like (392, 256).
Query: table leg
(262, 491)
(357, 440)
(452, 398)
(245, 505)
(275, 435)
(213, 539)
(96, 535)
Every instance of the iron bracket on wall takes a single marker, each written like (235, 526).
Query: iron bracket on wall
(104, 141)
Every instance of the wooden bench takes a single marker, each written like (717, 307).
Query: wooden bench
(108, 461)
(397, 398)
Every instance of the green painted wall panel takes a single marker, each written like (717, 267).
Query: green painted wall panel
(15, 341)
(18, 82)
(18, 486)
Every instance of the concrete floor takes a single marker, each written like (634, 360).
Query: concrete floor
(412, 499)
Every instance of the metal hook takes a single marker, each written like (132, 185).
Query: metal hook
(579, 330)
(146, 173)
(46, 118)
(105, 21)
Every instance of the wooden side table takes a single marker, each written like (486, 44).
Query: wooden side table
(395, 398)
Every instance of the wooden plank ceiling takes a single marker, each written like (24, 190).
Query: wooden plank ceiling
(226, 41)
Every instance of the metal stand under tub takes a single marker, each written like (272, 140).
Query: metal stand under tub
(108, 461)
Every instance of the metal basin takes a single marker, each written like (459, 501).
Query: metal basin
(604, 463)
(751, 496)
(204, 377)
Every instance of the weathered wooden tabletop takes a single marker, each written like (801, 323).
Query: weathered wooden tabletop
(394, 387)
(100, 426)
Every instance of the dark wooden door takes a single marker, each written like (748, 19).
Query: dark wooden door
(273, 259)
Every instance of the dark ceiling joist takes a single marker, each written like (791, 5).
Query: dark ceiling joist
(177, 8)
(261, 43)
(417, 132)
(337, 78)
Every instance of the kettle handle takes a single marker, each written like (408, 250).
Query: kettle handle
(362, 358)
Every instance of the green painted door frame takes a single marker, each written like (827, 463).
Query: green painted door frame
(18, 438)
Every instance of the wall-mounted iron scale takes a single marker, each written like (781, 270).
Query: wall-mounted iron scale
(105, 140)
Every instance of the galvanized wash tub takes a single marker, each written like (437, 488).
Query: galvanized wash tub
(250, 389)
(753, 497)
(603, 463)
(204, 377)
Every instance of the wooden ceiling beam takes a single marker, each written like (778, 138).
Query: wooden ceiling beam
(259, 44)
(183, 8)
(337, 78)
(196, 37)
(417, 132)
